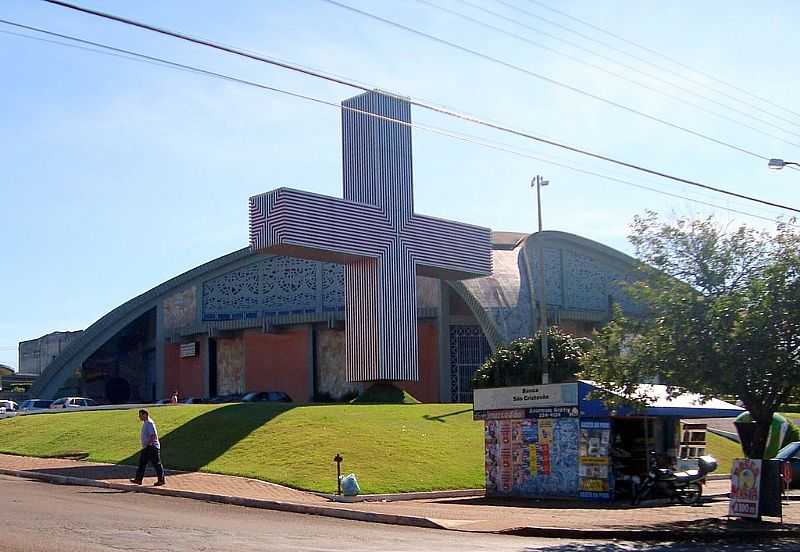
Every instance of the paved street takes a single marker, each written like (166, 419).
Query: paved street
(40, 516)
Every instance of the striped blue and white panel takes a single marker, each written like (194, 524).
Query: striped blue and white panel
(375, 233)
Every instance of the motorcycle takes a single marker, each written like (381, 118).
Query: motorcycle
(685, 486)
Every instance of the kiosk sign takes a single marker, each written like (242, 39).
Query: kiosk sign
(745, 488)
(529, 396)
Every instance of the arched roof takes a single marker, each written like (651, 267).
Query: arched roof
(60, 369)
(503, 303)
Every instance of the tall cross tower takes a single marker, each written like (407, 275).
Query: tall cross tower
(375, 233)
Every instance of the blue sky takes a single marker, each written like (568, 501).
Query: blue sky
(118, 175)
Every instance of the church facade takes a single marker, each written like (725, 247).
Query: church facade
(250, 322)
(336, 293)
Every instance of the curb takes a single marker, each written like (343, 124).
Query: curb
(353, 515)
(425, 495)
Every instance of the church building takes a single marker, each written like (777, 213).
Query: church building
(264, 318)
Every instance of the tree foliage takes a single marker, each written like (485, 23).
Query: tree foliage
(519, 362)
(723, 316)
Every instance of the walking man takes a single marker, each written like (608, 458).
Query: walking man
(151, 450)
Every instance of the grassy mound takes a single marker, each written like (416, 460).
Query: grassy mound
(384, 393)
(391, 448)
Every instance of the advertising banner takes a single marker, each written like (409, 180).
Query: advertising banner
(745, 488)
(594, 471)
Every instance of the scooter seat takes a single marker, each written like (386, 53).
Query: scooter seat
(687, 475)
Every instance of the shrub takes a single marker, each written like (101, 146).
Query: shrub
(519, 362)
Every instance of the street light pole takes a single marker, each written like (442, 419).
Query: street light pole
(538, 181)
(778, 164)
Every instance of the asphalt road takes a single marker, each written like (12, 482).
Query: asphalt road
(40, 516)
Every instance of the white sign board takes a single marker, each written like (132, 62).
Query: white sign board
(529, 396)
(188, 349)
(745, 488)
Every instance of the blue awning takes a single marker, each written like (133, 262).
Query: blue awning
(659, 403)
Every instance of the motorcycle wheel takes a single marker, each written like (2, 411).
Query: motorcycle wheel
(690, 494)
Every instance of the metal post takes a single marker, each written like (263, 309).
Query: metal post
(539, 182)
(338, 460)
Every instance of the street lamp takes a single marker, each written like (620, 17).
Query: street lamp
(778, 164)
(538, 181)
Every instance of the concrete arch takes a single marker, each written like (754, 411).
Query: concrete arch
(76, 353)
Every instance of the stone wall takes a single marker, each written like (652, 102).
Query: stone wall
(331, 378)
(180, 309)
(230, 365)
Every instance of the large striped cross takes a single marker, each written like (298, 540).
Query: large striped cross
(375, 233)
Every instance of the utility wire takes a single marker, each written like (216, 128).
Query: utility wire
(538, 76)
(99, 48)
(597, 67)
(434, 108)
(135, 56)
(646, 61)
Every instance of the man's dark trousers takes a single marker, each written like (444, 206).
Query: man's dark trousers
(152, 455)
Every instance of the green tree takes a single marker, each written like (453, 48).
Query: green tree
(723, 316)
(519, 362)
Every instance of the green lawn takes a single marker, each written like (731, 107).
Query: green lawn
(724, 450)
(390, 448)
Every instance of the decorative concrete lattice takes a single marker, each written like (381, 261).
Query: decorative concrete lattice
(332, 287)
(376, 234)
(274, 286)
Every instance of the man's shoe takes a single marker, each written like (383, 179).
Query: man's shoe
(159, 483)
(136, 481)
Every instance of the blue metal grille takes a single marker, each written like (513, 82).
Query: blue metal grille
(469, 349)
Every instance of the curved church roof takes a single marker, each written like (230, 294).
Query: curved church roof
(581, 279)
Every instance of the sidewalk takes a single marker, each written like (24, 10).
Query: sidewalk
(654, 521)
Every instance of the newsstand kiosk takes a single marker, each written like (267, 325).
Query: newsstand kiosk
(553, 441)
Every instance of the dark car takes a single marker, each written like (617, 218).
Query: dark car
(193, 400)
(34, 405)
(267, 396)
(791, 454)
(226, 399)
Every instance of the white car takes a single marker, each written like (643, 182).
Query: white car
(72, 402)
(8, 406)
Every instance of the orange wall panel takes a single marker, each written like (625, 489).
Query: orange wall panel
(427, 388)
(183, 374)
(279, 362)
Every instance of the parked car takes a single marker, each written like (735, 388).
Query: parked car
(226, 399)
(72, 402)
(34, 405)
(193, 400)
(7, 406)
(791, 454)
(267, 396)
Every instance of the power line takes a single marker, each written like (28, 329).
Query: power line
(160, 62)
(610, 72)
(646, 61)
(414, 31)
(423, 105)
(538, 76)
